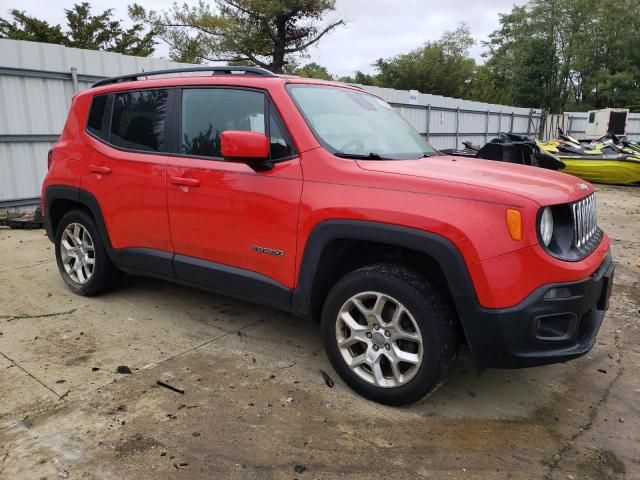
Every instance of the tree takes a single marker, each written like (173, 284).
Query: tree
(441, 67)
(313, 70)
(361, 78)
(566, 54)
(24, 27)
(102, 32)
(266, 33)
(84, 30)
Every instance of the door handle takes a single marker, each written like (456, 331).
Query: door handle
(186, 182)
(99, 169)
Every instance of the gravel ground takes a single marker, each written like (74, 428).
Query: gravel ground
(255, 404)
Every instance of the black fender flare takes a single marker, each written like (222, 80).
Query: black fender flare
(80, 196)
(439, 248)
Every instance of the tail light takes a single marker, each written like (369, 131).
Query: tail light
(49, 157)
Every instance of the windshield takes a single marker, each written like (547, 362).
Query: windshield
(355, 124)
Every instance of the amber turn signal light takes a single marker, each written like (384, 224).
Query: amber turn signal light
(514, 223)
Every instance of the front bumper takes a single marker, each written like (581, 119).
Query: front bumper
(557, 322)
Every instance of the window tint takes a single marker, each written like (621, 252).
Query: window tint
(592, 117)
(281, 146)
(96, 115)
(206, 113)
(138, 120)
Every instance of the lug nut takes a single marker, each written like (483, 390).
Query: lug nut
(376, 327)
(387, 346)
(376, 348)
(387, 333)
(368, 334)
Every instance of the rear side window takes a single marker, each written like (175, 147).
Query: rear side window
(138, 120)
(96, 120)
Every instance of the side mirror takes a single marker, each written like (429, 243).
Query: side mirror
(248, 147)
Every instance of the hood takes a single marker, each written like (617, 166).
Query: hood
(546, 187)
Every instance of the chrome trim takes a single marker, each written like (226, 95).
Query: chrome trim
(585, 223)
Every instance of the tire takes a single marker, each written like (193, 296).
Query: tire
(416, 325)
(86, 267)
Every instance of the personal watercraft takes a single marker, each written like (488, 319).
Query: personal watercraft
(607, 160)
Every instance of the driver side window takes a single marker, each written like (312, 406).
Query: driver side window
(207, 112)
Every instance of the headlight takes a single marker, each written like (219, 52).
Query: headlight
(569, 231)
(546, 226)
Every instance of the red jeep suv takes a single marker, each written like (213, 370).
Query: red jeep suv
(317, 198)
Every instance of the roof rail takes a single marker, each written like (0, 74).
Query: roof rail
(215, 70)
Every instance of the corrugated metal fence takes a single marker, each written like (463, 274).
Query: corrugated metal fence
(37, 82)
(447, 122)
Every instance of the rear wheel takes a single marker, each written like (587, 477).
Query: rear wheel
(81, 256)
(389, 334)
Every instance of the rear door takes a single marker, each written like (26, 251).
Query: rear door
(233, 228)
(126, 169)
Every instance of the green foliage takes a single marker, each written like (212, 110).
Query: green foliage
(361, 79)
(559, 55)
(441, 67)
(266, 33)
(313, 70)
(84, 30)
(24, 27)
(565, 54)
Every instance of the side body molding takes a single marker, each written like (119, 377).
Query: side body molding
(215, 277)
(248, 285)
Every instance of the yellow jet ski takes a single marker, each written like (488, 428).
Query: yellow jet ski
(598, 163)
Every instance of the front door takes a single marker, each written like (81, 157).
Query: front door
(233, 229)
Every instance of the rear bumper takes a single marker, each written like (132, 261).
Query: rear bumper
(557, 322)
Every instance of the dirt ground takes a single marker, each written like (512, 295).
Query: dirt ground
(255, 404)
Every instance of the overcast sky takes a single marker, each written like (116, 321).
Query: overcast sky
(375, 28)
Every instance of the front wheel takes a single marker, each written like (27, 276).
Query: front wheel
(389, 334)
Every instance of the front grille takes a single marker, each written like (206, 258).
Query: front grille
(585, 224)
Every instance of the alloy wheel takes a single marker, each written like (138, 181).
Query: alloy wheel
(77, 253)
(379, 339)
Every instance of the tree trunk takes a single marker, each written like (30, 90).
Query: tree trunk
(277, 65)
(279, 45)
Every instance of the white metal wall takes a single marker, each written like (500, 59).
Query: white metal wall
(37, 82)
(36, 86)
(447, 122)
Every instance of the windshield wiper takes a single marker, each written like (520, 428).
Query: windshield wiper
(360, 156)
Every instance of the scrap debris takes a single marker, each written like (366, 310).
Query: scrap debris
(123, 369)
(23, 220)
(327, 379)
(299, 469)
(170, 387)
